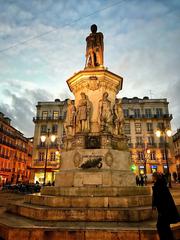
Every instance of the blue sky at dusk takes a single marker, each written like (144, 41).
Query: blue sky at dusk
(42, 44)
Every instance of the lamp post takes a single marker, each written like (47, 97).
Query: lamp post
(147, 152)
(166, 132)
(43, 140)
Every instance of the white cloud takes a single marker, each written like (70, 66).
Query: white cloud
(141, 44)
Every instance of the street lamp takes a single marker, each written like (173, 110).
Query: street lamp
(43, 140)
(166, 132)
(147, 152)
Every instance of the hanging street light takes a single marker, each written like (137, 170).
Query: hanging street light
(47, 139)
(165, 132)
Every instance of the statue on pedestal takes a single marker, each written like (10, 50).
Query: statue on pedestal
(69, 124)
(118, 117)
(83, 114)
(94, 48)
(105, 113)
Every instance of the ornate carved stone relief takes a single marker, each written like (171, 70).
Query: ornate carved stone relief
(77, 159)
(108, 159)
(93, 83)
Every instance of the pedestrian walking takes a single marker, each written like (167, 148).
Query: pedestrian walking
(167, 212)
(141, 180)
(137, 180)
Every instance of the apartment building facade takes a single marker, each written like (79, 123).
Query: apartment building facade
(176, 143)
(48, 122)
(143, 117)
(15, 153)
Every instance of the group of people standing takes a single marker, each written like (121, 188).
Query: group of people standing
(141, 180)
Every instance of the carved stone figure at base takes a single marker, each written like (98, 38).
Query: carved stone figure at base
(118, 117)
(83, 114)
(105, 113)
(69, 124)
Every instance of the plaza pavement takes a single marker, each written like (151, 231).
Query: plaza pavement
(17, 221)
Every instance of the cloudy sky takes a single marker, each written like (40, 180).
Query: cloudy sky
(42, 43)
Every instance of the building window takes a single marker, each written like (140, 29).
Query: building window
(140, 156)
(54, 128)
(148, 113)
(126, 112)
(129, 142)
(53, 156)
(163, 154)
(55, 115)
(150, 140)
(41, 156)
(138, 128)
(43, 128)
(44, 115)
(137, 113)
(161, 139)
(139, 140)
(127, 129)
(152, 155)
(149, 127)
(159, 112)
(160, 125)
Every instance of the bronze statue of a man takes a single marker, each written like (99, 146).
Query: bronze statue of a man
(94, 48)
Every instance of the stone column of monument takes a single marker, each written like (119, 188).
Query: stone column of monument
(95, 148)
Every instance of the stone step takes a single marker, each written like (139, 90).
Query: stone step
(133, 214)
(90, 201)
(17, 227)
(96, 191)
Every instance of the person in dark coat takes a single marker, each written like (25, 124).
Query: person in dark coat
(167, 212)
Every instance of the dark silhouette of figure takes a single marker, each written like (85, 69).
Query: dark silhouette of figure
(164, 203)
(137, 180)
(175, 176)
(95, 48)
(141, 180)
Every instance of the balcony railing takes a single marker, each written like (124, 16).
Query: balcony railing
(4, 156)
(151, 145)
(50, 163)
(50, 118)
(7, 133)
(162, 145)
(159, 116)
(140, 145)
(130, 145)
(52, 145)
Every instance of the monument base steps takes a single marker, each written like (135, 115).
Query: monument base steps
(18, 227)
